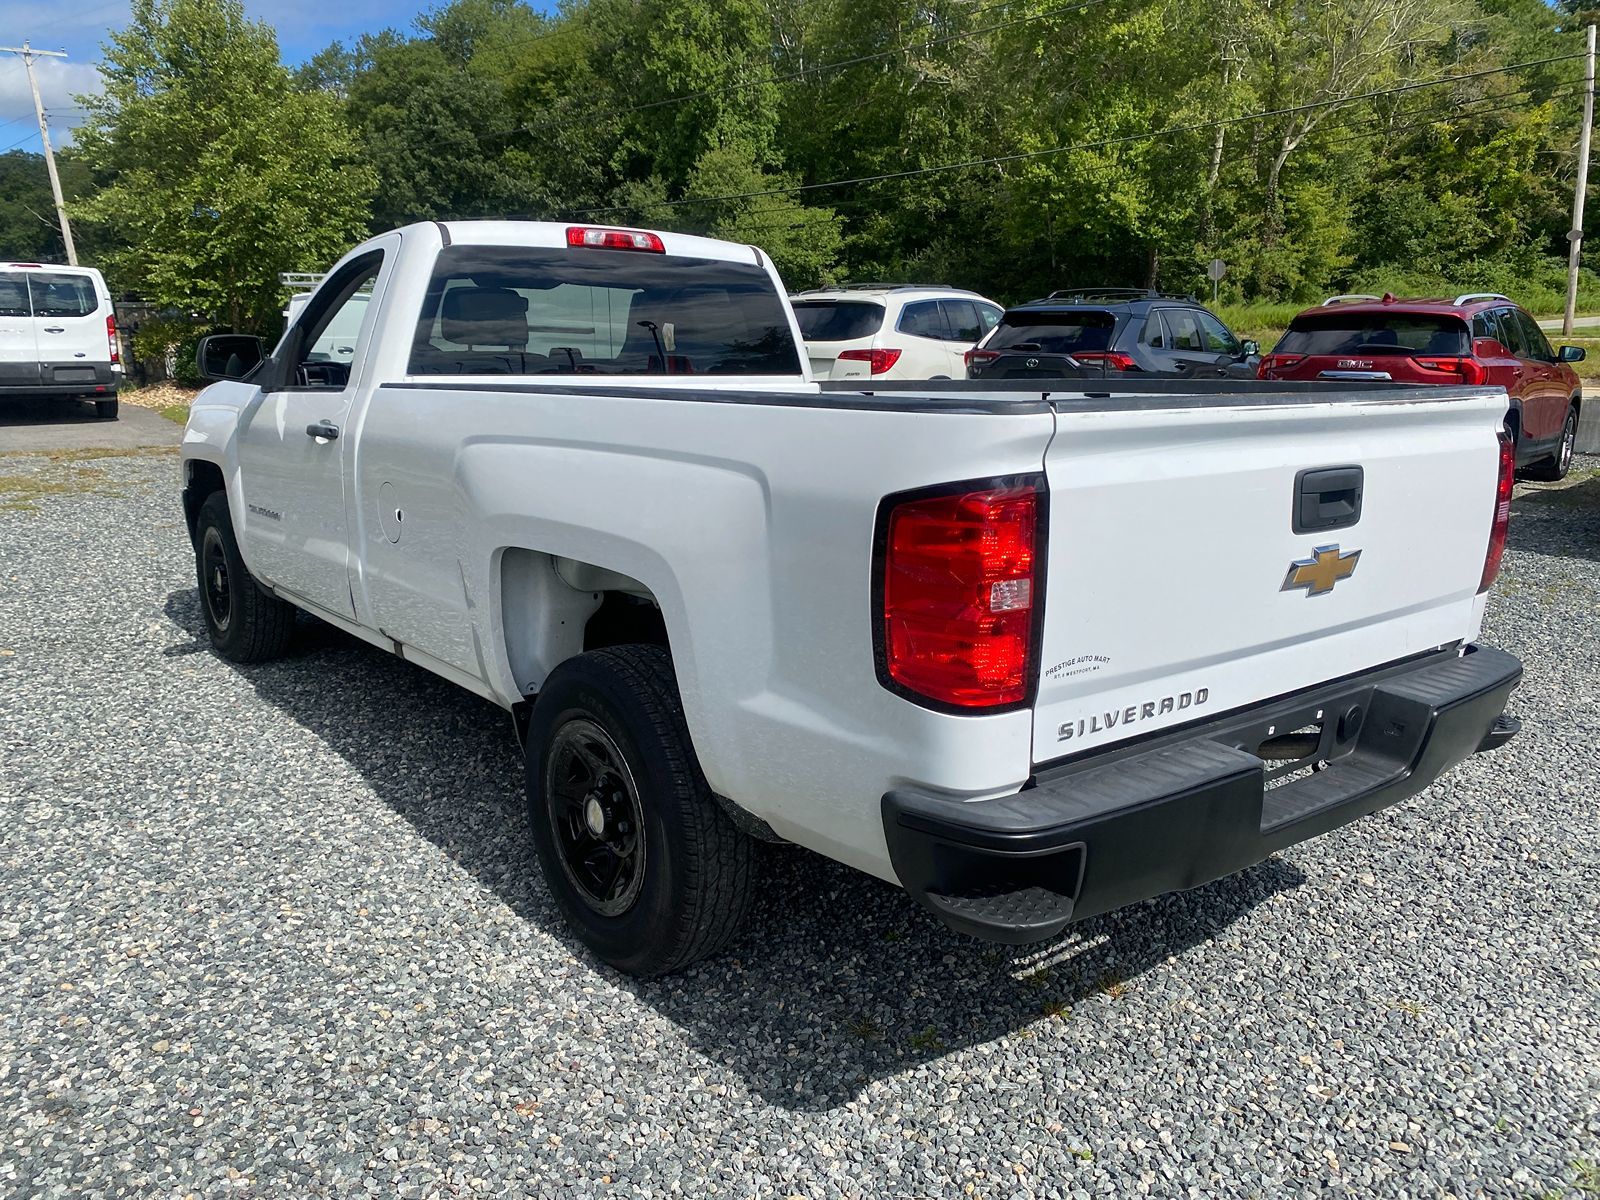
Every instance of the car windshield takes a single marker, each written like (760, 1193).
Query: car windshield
(837, 320)
(516, 310)
(1077, 332)
(1375, 334)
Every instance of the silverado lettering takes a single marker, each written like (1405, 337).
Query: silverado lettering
(1133, 713)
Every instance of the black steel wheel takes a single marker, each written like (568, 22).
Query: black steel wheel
(245, 623)
(648, 869)
(595, 816)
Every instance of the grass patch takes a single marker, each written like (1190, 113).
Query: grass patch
(19, 493)
(177, 413)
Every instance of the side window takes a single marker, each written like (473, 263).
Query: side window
(1218, 339)
(1511, 336)
(961, 317)
(14, 295)
(990, 316)
(1533, 337)
(327, 337)
(1481, 328)
(1155, 332)
(923, 319)
(1184, 329)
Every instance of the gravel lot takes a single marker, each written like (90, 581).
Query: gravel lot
(277, 932)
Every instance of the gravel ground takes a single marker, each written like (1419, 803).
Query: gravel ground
(277, 932)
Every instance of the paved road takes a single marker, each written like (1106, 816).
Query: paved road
(276, 931)
(72, 425)
(1580, 322)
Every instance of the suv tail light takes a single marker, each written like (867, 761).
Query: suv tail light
(1112, 360)
(978, 358)
(614, 239)
(111, 339)
(1273, 362)
(1466, 370)
(881, 360)
(960, 594)
(1502, 511)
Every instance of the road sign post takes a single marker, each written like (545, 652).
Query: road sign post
(1214, 272)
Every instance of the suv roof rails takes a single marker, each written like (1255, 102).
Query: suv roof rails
(301, 281)
(1351, 298)
(1118, 293)
(1469, 297)
(886, 287)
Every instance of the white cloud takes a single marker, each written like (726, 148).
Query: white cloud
(59, 82)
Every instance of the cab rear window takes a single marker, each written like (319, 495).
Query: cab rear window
(837, 320)
(1375, 334)
(516, 310)
(1053, 333)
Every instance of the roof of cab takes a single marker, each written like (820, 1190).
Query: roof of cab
(553, 235)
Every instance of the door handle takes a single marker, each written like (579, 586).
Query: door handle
(326, 430)
(54, 329)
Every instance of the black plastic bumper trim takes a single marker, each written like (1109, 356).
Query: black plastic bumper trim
(1131, 823)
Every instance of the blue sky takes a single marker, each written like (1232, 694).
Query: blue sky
(80, 28)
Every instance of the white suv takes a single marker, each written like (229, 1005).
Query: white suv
(58, 335)
(884, 331)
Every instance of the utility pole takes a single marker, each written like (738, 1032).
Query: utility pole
(1576, 236)
(28, 54)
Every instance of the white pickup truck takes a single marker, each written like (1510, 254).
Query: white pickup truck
(1031, 654)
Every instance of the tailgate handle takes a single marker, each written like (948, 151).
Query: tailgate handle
(1327, 498)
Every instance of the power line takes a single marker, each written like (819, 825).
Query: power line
(1371, 131)
(1099, 144)
(824, 68)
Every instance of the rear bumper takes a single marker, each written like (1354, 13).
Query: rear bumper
(1184, 809)
(67, 380)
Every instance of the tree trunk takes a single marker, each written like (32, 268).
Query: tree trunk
(1154, 262)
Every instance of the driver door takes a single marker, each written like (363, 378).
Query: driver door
(292, 444)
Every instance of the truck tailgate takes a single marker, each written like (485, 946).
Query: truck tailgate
(1172, 591)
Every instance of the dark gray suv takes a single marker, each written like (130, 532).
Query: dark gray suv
(1094, 333)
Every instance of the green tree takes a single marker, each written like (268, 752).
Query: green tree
(29, 230)
(221, 174)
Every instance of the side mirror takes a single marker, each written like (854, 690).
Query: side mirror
(1488, 347)
(1571, 353)
(228, 355)
(1250, 348)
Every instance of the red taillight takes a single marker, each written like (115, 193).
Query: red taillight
(1274, 362)
(1464, 370)
(1502, 511)
(978, 358)
(1112, 360)
(881, 360)
(614, 239)
(111, 339)
(961, 594)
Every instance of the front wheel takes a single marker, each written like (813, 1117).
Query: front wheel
(648, 869)
(1558, 464)
(246, 624)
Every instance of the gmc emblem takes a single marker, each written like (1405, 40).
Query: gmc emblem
(1355, 364)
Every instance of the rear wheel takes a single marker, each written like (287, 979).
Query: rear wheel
(106, 410)
(1558, 464)
(648, 869)
(246, 624)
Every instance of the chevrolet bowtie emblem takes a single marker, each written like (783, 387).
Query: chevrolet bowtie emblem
(1317, 574)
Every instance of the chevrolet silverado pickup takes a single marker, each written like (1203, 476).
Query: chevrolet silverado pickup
(1030, 651)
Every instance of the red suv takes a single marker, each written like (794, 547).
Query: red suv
(1479, 338)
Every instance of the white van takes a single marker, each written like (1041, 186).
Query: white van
(58, 335)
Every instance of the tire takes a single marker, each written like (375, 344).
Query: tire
(106, 410)
(1555, 468)
(246, 624)
(648, 869)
